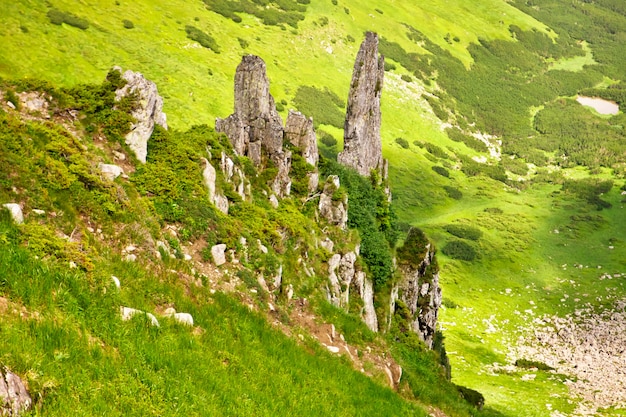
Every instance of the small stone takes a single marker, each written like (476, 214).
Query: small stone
(274, 201)
(38, 212)
(131, 257)
(11, 105)
(14, 397)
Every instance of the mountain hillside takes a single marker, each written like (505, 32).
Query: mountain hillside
(517, 185)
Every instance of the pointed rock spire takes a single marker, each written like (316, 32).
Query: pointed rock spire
(362, 144)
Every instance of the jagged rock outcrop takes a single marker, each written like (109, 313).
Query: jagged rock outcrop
(332, 207)
(365, 288)
(210, 176)
(362, 144)
(255, 129)
(419, 288)
(148, 112)
(14, 397)
(300, 133)
(343, 274)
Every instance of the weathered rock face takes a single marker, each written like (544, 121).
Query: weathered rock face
(419, 289)
(299, 132)
(148, 112)
(365, 288)
(14, 398)
(362, 145)
(210, 175)
(335, 211)
(255, 129)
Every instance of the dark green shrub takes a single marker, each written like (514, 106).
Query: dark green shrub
(346, 10)
(464, 231)
(407, 78)
(441, 171)
(128, 24)
(334, 2)
(590, 190)
(58, 17)
(453, 192)
(243, 43)
(528, 364)
(202, 38)
(458, 249)
(403, 143)
(471, 142)
(473, 397)
(414, 249)
(24, 29)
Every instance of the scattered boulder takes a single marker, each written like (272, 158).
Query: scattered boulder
(16, 212)
(110, 171)
(128, 313)
(218, 254)
(183, 318)
(14, 397)
(147, 113)
(362, 144)
(332, 209)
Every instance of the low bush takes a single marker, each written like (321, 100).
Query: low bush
(202, 38)
(458, 249)
(473, 397)
(528, 364)
(453, 192)
(128, 24)
(58, 17)
(403, 143)
(441, 171)
(464, 231)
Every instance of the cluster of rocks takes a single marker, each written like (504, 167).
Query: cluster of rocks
(588, 346)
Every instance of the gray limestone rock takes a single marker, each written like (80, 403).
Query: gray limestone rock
(255, 124)
(335, 211)
(419, 288)
(365, 289)
(148, 112)
(210, 175)
(255, 129)
(362, 144)
(16, 212)
(218, 254)
(299, 132)
(14, 397)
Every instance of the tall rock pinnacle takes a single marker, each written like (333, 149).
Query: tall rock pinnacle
(255, 129)
(362, 144)
(255, 122)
